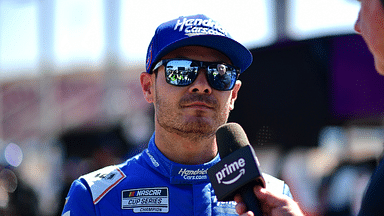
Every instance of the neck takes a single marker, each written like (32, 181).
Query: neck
(184, 150)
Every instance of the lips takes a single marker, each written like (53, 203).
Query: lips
(198, 101)
(198, 104)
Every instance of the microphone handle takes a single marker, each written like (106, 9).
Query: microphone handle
(250, 199)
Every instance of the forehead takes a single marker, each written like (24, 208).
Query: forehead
(198, 53)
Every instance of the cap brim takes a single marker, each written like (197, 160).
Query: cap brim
(236, 52)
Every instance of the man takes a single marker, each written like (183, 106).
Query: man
(370, 25)
(190, 103)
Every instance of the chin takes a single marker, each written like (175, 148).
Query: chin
(380, 68)
(200, 125)
(381, 72)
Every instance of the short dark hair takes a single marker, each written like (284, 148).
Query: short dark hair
(382, 3)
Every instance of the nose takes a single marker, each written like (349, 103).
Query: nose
(357, 24)
(200, 85)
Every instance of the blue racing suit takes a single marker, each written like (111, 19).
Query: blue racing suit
(151, 184)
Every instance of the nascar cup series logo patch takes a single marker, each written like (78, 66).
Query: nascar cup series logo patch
(146, 200)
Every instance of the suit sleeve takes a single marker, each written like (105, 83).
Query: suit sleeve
(372, 203)
(79, 200)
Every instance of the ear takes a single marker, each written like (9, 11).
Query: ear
(234, 94)
(147, 82)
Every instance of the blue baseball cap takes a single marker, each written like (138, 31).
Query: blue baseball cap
(196, 30)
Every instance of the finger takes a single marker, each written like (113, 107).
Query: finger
(240, 208)
(238, 198)
(248, 213)
(276, 204)
(273, 200)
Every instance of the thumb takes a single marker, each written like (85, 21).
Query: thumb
(269, 198)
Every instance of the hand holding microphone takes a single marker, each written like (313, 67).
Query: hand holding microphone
(238, 171)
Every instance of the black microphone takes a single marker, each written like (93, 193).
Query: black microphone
(238, 171)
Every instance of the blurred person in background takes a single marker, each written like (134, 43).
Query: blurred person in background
(370, 25)
(170, 176)
(17, 198)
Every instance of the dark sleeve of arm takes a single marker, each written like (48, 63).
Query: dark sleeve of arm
(79, 200)
(372, 203)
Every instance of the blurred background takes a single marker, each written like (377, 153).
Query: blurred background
(70, 99)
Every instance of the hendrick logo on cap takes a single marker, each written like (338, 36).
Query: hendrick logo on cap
(196, 30)
(194, 27)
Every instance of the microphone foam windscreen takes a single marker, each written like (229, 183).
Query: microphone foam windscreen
(230, 137)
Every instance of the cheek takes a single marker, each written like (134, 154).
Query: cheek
(372, 31)
(165, 95)
(373, 17)
(375, 36)
(227, 105)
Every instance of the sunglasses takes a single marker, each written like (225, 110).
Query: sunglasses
(183, 72)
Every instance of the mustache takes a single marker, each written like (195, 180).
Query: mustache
(192, 98)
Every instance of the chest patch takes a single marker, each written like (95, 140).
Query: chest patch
(146, 200)
(103, 180)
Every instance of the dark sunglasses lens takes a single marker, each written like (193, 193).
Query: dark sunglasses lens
(180, 72)
(222, 77)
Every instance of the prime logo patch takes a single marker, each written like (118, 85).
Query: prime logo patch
(146, 200)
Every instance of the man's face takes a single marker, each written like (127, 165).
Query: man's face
(196, 110)
(370, 24)
(221, 69)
